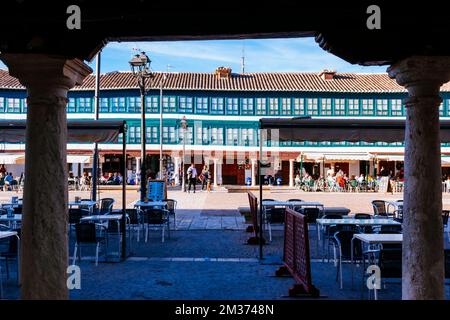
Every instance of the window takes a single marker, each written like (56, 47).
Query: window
(247, 106)
(134, 134)
(247, 135)
(13, 105)
(185, 105)
(232, 136)
(152, 134)
(273, 106)
(134, 104)
(339, 107)
(299, 106)
(353, 106)
(118, 105)
(152, 104)
(202, 105)
(312, 106)
(367, 107)
(71, 105)
(441, 109)
(189, 135)
(382, 107)
(217, 106)
(202, 135)
(169, 135)
(286, 106)
(396, 107)
(326, 107)
(447, 109)
(104, 105)
(261, 106)
(233, 106)
(217, 136)
(169, 104)
(85, 105)
(24, 106)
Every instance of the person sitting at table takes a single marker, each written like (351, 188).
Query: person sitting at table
(110, 179)
(8, 179)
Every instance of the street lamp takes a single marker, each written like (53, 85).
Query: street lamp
(183, 124)
(140, 66)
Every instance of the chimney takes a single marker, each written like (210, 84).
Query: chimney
(223, 73)
(327, 74)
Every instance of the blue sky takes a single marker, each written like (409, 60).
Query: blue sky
(262, 55)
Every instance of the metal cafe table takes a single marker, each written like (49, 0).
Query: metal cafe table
(150, 204)
(321, 223)
(106, 218)
(7, 234)
(374, 238)
(85, 203)
(11, 220)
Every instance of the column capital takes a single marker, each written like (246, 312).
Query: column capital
(41, 73)
(422, 76)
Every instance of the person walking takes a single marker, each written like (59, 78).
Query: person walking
(192, 177)
(205, 175)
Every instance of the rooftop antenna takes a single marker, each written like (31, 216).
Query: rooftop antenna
(243, 59)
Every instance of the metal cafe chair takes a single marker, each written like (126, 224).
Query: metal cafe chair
(156, 218)
(88, 234)
(172, 208)
(379, 208)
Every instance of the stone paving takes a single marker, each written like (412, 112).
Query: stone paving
(207, 258)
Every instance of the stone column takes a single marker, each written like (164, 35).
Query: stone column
(44, 243)
(423, 252)
(176, 169)
(216, 161)
(254, 178)
(291, 173)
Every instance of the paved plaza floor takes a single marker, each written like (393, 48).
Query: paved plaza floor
(207, 256)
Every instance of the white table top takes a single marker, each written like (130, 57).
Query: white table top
(291, 203)
(17, 217)
(10, 204)
(150, 204)
(83, 203)
(103, 217)
(6, 234)
(363, 222)
(379, 238)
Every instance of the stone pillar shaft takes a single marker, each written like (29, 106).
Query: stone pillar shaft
(423, 251)
(291, 172)
(44, 243)
(216, 162)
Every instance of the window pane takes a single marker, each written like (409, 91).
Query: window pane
(339, 107)
(233, 106)
(217, 106)
(382, 107)
(286, 106)
(261, 106)
(326, 107)
(312, 106)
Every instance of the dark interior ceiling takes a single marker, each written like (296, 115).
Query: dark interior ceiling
(30, 26)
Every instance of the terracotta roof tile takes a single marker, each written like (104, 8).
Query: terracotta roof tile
(301, 81)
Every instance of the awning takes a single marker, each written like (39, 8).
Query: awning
(78, 159)
(7, 158)
(341, 156)
(88, 131)
(351, 130)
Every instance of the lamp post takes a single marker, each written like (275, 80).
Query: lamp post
(140, 66)
(161, 171)
(183, 124)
